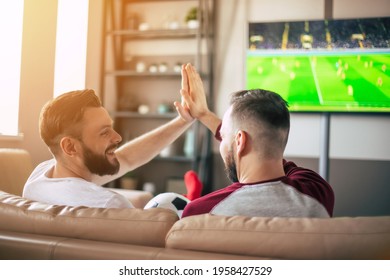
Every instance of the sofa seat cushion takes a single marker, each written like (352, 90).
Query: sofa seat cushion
(26, 246)
(285, 238)
(130, 226)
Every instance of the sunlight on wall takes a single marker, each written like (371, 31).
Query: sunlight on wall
(11, 29)
(71, 46)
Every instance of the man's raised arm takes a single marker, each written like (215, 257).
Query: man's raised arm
(194, 98)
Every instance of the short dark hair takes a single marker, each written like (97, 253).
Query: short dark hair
(263, 108)
(62, 116)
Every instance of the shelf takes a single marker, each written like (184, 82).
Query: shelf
(132, 73)
(139, 1)
(156, 33)
(127, 114)
(175, 158)
(146, 74)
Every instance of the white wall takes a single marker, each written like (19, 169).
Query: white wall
(351, 136)
(361, 8)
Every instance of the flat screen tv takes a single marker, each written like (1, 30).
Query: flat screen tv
(323, 65)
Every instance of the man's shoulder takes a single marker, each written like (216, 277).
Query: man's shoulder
(42, 168)
(223, 192)
(39, 181)
(39, 172)
(206, 203)
(270, 199)
(74, 192)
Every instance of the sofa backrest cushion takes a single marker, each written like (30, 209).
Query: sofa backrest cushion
(285, 238)
(15, 167)
(130, 226)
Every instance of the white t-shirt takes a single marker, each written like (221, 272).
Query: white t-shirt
(70, 191)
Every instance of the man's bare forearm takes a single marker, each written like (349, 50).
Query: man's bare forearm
(144, 148)
(211, 121)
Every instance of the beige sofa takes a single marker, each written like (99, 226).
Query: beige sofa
(34, 230)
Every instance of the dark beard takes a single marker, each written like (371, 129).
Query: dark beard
(230, 167)
(98, 164)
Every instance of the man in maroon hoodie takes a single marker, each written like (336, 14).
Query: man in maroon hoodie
(253, 135)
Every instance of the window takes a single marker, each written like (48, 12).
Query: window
(11, 30)
(71, 45)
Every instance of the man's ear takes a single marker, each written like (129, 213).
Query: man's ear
(68, 146)
(241, 139)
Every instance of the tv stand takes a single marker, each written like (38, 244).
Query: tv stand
(324, 145)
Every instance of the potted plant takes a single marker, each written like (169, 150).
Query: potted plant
(192, 18)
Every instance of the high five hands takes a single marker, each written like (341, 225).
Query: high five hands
(193, 98)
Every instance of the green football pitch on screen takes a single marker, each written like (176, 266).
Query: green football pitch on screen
(323, 81)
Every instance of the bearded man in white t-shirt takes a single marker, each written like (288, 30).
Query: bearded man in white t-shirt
(79, 133)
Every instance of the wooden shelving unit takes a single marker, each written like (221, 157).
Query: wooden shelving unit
(157, 37)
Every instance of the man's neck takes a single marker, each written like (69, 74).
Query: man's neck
(63, 170)
(251, 171)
